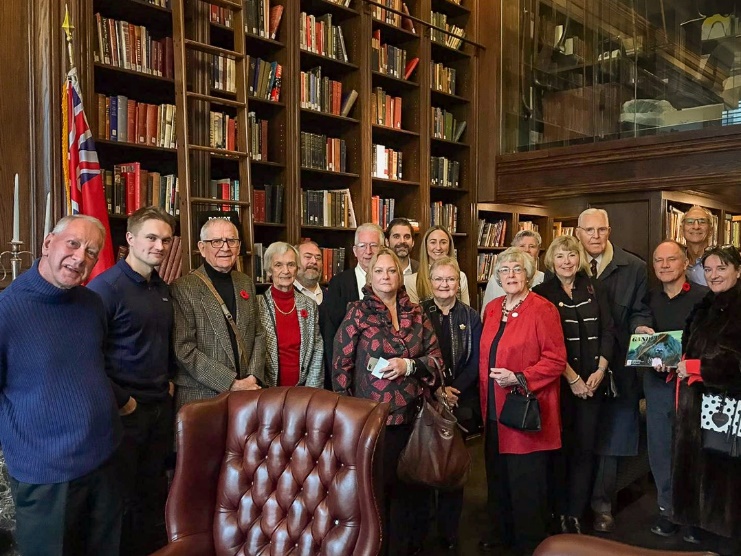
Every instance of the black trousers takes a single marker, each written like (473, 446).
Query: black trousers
(448, 512)
(517, 494)
(81, 517)
(140, 462)
(407, 506)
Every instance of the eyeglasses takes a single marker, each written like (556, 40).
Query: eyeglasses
(591, 232)
(438, 280)
(364, 246)
(513, 270)
(693, 221)
(219, 243)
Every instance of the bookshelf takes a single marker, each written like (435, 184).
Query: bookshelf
(388, 166)
(130, 107)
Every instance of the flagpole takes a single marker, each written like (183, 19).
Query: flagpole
(68, 28)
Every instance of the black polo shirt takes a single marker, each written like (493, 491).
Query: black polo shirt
(671, 313)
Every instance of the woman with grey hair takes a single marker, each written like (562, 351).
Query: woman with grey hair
(530, 242)
(294, 348)
(521, 340)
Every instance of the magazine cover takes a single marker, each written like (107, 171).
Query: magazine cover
(650, 350)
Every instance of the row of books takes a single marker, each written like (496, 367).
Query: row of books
(260, 274)
(442, 78)
(444, 172)
(445, 126)
(224, 189)
(264, 79)
(732, 231)
(172, 266)
(386, 163)
(323, 153)
(485, 264)
(222, 131)
(257, 132)
(127, 121)
(386, 58)
(452, 35)
(382, 210)
(393, 17)
(444, 214)
(125, 45)
(222, 16)
(327, 208)
(320, 93)
(491, 234)
(261, 19)
(223, 73)
(528, 225)
(386, 109)
(128, 187)
(318, 35)
(267, 203)
(560, 230)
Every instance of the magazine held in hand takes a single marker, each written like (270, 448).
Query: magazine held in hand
(653, 350)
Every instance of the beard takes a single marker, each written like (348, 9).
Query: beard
(402, 250)
(310, 275)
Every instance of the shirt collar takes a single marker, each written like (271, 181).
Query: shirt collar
(135, 276)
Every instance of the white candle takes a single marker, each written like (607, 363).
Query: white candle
(16, 213)
(47, 220)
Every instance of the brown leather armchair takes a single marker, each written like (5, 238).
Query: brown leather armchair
(275, 471)
(585, 545)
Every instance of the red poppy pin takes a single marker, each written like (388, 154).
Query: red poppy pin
(686, 287)
(244, 294)
(590, 289)
(304, 313)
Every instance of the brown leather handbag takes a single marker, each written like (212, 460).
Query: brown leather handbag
(435, 454)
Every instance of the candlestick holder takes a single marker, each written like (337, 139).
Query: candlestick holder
(16, 258)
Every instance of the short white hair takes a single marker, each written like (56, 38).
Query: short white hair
(212, 222)
(67, 220)
(277, 248)
(592, 212)
(369, 227)
(515, 255)
(522, 234)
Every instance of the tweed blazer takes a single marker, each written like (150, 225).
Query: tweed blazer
(203, 350)
(311, 368)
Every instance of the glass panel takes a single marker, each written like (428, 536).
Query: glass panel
(582, 71)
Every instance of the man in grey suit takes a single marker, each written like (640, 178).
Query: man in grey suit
(209, 356)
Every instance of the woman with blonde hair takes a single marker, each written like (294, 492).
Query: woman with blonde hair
(436, 244)
(588, 330)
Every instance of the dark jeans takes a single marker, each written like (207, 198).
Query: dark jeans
(518, 494)
(81, 517)
(140, 461)
(659, 424)
(449, 508)
(407, 506)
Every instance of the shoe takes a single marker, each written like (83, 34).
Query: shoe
(664, 528)
(693, 535)
(564, 524)
(448, 543)
(603, 523)
(574, 525)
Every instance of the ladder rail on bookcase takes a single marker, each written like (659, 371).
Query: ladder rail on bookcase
(183, 96)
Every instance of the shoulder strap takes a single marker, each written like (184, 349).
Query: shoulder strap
(229, 319)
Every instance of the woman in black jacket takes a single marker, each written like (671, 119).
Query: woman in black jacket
(458, 329)
(589, 335)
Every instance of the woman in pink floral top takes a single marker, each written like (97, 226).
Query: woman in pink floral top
(386, 325)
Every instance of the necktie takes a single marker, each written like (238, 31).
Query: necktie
(593, 267)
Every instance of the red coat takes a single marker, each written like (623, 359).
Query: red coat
(532, 344)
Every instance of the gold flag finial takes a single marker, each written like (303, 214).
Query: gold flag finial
(68, 28)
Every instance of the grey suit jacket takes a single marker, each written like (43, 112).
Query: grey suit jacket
(311, 372)
(203, 350)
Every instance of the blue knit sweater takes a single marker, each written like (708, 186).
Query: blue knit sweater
(58, 416)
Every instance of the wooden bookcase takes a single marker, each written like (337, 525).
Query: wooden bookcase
(413, 193)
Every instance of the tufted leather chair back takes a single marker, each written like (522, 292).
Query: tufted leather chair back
(275, 472)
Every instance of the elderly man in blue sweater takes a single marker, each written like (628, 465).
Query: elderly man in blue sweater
(59, 423)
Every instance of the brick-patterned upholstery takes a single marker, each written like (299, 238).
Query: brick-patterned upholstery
(277, 471)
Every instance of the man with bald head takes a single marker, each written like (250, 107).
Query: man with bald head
(212, 354)
(624, 279)
(697, 230)
(670, 304)
(60, 425)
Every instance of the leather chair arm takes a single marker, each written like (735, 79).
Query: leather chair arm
(193, 545)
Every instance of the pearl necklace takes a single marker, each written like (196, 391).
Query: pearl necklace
(506, 312)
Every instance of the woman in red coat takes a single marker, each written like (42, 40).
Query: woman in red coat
(522, 334)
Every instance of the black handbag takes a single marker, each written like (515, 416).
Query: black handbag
(719, 424)
(611, 390)
(521, 409)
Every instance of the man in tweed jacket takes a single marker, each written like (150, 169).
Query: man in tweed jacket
(205, 345)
